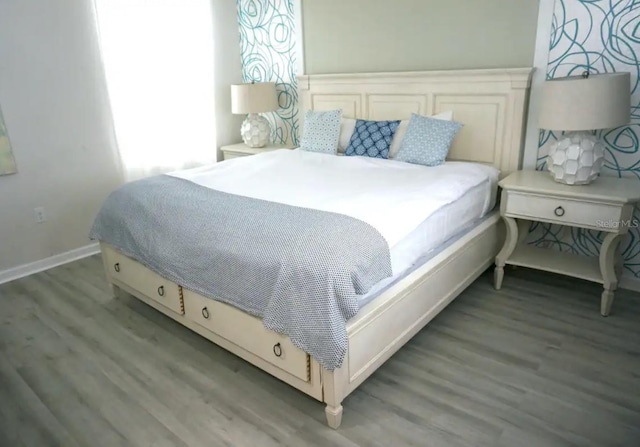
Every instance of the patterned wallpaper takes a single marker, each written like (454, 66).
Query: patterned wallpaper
(267, 45)
(600, 36)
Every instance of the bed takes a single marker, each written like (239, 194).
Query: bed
(491, 104)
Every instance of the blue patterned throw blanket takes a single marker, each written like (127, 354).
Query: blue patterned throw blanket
(298, 269)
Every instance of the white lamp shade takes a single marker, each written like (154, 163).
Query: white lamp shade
(599, 101)
(254, 98)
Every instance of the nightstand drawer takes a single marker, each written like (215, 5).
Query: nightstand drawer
(562, 211)
(228, 155)
(242, 150)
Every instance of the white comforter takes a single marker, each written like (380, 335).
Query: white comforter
(392, 196)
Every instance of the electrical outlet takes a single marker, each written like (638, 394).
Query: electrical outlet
(40, 214)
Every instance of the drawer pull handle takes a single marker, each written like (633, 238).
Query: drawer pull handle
(161, 290)
(116, 266)
(559, 211)
(205, 313)
(277, 350)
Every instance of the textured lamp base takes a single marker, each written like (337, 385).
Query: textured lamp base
(255, 130)
(576, 158)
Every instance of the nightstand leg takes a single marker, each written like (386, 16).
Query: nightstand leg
(606, 300)
(498, 276)
(509, 245)
(609, 259)
(523, 230)
(619, 263)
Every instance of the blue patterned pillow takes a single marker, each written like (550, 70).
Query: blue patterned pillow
(427, 140)
(321, 131)
(372, 138)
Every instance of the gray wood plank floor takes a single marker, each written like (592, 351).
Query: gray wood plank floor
(531, 365)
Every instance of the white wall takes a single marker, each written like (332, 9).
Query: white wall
(54, 101)
(55, 105)
(397, 35)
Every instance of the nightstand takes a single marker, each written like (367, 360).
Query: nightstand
(604, 205)
(242, 150)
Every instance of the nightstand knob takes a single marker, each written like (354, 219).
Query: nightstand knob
(205, 313)
(559, 211)
(277, 350)
(116, 267)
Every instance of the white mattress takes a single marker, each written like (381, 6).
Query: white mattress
(437, 231)
(415, 208)
(443, 224)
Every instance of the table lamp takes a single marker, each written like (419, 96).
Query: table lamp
(253, 99)
(578, 105)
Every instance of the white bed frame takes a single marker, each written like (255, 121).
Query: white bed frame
(492, 106)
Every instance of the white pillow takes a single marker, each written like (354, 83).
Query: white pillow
(402, 130)
(347, 126)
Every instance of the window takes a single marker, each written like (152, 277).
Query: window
(158, 60)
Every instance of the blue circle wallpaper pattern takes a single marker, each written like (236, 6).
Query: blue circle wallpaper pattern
(267, 45)
(601, 36)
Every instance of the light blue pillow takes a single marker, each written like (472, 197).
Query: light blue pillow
(427, 140)
(321, 131)
(372, 138)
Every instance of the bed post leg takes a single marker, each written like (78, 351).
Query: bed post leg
(117, 291)
(334, 416)
(334, 384)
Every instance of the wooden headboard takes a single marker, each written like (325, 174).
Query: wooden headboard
(490, 103)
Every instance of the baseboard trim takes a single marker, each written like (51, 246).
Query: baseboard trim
(630, 283)
(45, 264)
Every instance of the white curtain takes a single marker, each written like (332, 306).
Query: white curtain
(158, 59)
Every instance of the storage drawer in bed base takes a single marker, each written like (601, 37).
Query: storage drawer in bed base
(214, 320)
(122, 269)
(248, 332)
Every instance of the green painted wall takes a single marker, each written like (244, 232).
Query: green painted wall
(343, 36)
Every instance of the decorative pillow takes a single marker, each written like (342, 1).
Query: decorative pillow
(372, 138)
(321, 131)
(427, 140)
(402, 130)
(347, 126)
